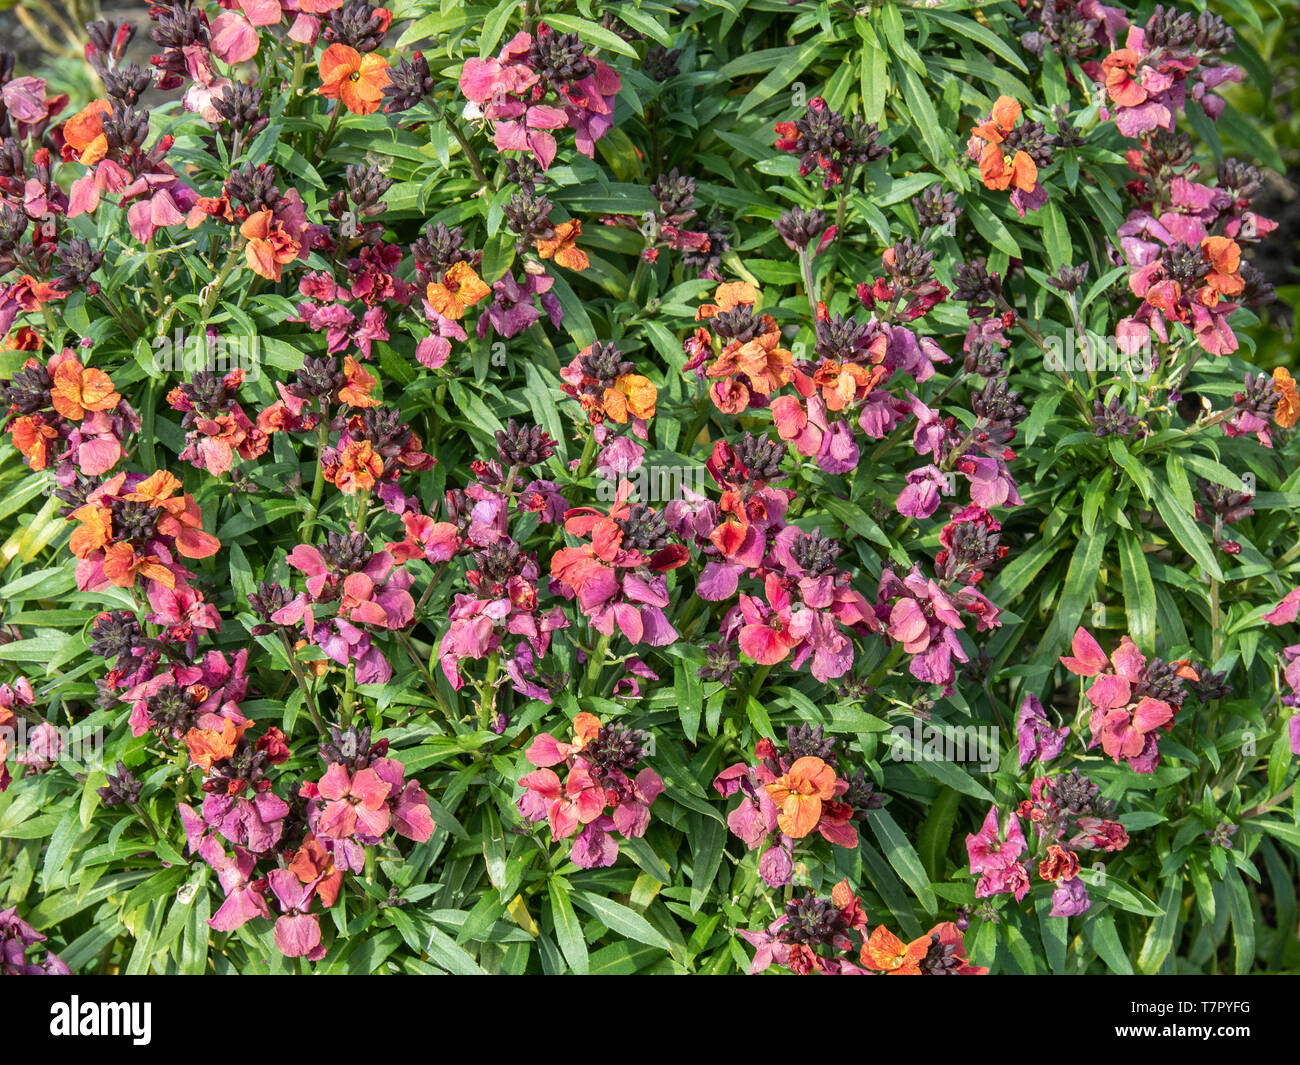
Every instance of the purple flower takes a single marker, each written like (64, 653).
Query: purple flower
(1070, 898)
(1038, 740)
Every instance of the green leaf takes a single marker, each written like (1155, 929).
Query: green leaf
(1160, 934)
(901, 855)
(621, 919)
(1056, 236)
(1186, 531)
(1139, 592)
(568, 932)
(1105, 941)
(1243, 919)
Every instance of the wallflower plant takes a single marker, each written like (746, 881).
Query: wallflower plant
(537, 488)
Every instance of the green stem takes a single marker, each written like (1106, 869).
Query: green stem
(349, 694)
(588, 456)
(318, 486)
(487, 702)
(308, 700)
(148, 821)
(328, 139)
(471, 156)
(155, 276)
(218, 282)
(595, 664)
(805, 269)
(755, 686)
(429, 681)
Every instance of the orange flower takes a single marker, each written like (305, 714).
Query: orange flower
(763, 361)
(357, 469)
(1060, 864)
(459, 289)
(95, 531)
(1288, 407)
(1006, 113)
(1000, 171)
(1224, 278)
(1119, 68)
(355, 79)
(360, 383)
(632, 395)
(208, 745)
(842, 384)
(729, 296)
(181, 519)
(31, 438)
(78, 389)
(83, 134)
(24, 338)
(800, 794)
(886, 953)
(269, 246)
(122, 565)
(997, 169)
(563, 247)
(155, 489)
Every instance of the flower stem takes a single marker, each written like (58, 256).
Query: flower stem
(595, 664)
(471, 156)
(755, 686)
(308, 700)
(318, 486)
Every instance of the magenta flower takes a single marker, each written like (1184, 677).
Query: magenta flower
(917, 613)
(996, 859)
(986, 848)
(1070, 898)
(408, 803)
(579, 800)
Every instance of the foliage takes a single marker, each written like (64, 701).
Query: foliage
(629, 446)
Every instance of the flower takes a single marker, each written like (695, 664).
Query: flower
(79, 389)
(354, 804)
(799, 794)
(1037, 739)
(885, 952)
(998, 170)
(1288, 408)
(562, 246)
(356, 80)
(459, 289)
(1131, 699)
(596, 767)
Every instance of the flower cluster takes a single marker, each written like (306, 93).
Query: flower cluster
(789, 794)
(539, 84)
(829, 937)
(1132, 699)
(598, 795)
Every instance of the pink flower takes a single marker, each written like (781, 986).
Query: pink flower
(354, 805)
(297, 932)
(407, 802)
(987, 850)
(579, 800)
(245, 896)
